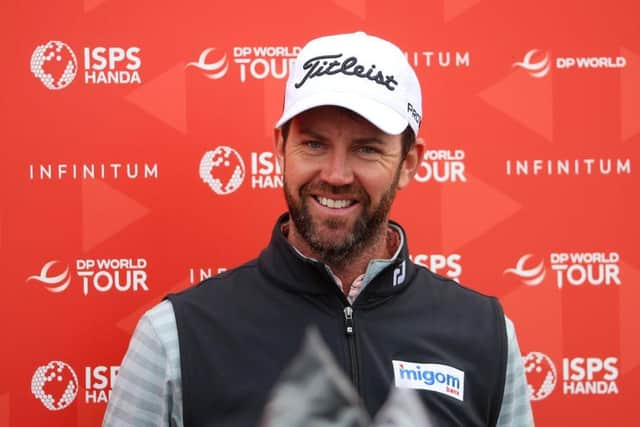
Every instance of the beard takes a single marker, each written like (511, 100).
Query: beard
(367, 228)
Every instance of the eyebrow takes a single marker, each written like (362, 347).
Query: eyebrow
(362, 140)
(369, 140)
(313, 134)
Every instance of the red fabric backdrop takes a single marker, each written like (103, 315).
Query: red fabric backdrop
(529, 192)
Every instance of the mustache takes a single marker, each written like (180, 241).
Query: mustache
(351, 189)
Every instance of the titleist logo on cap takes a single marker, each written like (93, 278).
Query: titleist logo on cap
(321, 65)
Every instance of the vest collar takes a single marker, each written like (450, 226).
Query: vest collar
(286, 267)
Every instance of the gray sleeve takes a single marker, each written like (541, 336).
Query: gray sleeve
(516, 406)
(147, 390)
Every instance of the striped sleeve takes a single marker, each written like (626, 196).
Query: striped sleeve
(147, 391)
(516, 406)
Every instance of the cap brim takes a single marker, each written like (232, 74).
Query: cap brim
(384, 118)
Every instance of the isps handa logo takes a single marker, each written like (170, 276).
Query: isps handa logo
(57, 386)
(581, 375)
(223, 170)
(56, 65)
(101, 275)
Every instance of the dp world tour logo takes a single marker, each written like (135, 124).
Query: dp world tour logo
(542, 376)
(54, 64)
(53, 283)
(532, 275)
(536, 68)
(223, 170)
(212, 70)
(55, 385)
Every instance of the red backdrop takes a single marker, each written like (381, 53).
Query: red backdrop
(109, 200)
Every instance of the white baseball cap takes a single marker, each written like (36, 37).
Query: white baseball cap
(362, 73)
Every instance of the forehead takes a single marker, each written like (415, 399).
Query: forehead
(331, 120)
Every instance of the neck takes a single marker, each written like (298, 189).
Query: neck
(347, 269)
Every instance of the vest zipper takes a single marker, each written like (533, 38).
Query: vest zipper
(348, 320)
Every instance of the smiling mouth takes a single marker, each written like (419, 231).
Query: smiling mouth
(334, 203)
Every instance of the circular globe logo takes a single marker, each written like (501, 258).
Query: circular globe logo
(55, 385)
(541, 375)
(54, 64)
(222, 169)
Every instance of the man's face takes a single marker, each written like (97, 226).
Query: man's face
(340, 178)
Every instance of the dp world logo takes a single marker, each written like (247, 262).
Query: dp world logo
(537, 65)
(212, 70)
(53, 283)
(54, 64)
(223, 170)
(55, 385)
(531, 275)
(541, 375)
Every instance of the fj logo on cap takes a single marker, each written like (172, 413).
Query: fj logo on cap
(429, 376)
(322, 65)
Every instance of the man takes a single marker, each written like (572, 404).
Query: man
(210, 355)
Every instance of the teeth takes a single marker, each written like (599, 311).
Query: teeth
(334, 204)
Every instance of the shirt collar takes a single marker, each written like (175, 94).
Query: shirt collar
(374, 267)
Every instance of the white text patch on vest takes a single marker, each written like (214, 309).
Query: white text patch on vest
(429, 376)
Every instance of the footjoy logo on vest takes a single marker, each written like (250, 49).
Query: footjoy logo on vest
(399, 274)
(429, 376)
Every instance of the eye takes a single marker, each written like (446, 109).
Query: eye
(368, 150)
(313, 145)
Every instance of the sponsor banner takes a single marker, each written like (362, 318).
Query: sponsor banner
(224, 170)
(597, 269)
(92, 171)
(569, 167)
(198, 274)
(439, 58)
(56, 384)
(582, 375)
(94, 276)
(442, 166)
(538, 63)
(575, 269)
(248, 62)
(448, 265)
(56, 65)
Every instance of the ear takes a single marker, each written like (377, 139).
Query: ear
(278, 143)
(411, 163)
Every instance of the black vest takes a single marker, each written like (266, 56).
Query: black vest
(238, 331)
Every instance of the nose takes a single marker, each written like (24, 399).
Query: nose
(337, 170)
